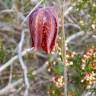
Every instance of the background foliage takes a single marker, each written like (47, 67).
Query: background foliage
(80, 49)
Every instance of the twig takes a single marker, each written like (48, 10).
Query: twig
(74, 36)
(68, 25)
(20, 45)
(32, 11)
(6, 11)
(10, 77)
(3, 4)
(8, 63)
(87, 35)
(68, 10)
(94, 36)
(9, 87)
(41, 69)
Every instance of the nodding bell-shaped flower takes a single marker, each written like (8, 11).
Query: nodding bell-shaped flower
(43, 25)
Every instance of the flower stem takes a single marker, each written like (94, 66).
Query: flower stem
(63, 49)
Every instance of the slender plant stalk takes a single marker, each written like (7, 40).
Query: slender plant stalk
(63, 50)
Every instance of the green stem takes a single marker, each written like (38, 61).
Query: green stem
(63, 49)
(44, 3)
